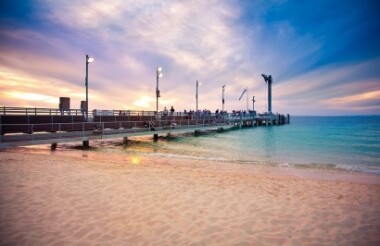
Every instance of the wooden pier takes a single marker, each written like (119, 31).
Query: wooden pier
(32, 126)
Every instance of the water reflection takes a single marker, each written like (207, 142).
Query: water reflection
(269, 142)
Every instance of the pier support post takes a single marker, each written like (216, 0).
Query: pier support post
(155, 137)
(53, 146)
(86, 143)
(125, 140)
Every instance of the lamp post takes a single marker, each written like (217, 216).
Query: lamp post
(197, 84)
(223, 88)
(159, 75)
(88, 60)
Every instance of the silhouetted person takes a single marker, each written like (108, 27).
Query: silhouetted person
(165, 112)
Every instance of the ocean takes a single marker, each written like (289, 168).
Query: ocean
(350, 143)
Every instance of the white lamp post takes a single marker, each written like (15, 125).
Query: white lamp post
(197, 84)
(159, 75)
(223, 88)
(88, 60)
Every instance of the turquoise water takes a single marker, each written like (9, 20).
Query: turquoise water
(351, 143)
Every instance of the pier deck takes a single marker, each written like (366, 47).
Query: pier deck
(21, 127)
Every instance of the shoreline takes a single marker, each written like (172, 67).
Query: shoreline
(315, 172)
(55, 198)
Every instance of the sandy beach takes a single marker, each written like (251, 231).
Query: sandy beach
(88, 198)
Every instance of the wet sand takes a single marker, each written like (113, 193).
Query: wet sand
(107, 199)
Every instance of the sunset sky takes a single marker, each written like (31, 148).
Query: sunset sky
(324, 56)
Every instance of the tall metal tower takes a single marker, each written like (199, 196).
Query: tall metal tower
(268, 79)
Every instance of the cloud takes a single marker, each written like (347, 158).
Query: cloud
(174, 30)
(367, 101)
(344, 87)
(174, 34)
(215, 42)
(20, 89)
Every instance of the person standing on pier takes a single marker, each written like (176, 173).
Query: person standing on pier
(165, 111)
(172, 110)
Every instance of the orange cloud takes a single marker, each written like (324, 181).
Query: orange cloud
(367, 101)
(371, 95)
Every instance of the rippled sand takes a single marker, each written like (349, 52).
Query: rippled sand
(58, 199)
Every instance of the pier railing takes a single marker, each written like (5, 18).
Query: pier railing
(36, 111)
(96, 112)
(56, 111)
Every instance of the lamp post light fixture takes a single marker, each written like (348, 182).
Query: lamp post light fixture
(197, 84)
(159, 75)
(223, 88)
(88, 60)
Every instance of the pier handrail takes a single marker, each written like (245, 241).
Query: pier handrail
(36, 111)
(4, 110)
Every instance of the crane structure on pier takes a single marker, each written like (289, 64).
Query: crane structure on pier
(242, 94)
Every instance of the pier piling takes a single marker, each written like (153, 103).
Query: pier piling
(86, 143)
(53, 146)
(125, 140)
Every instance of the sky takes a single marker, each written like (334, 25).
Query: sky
(324, 56)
